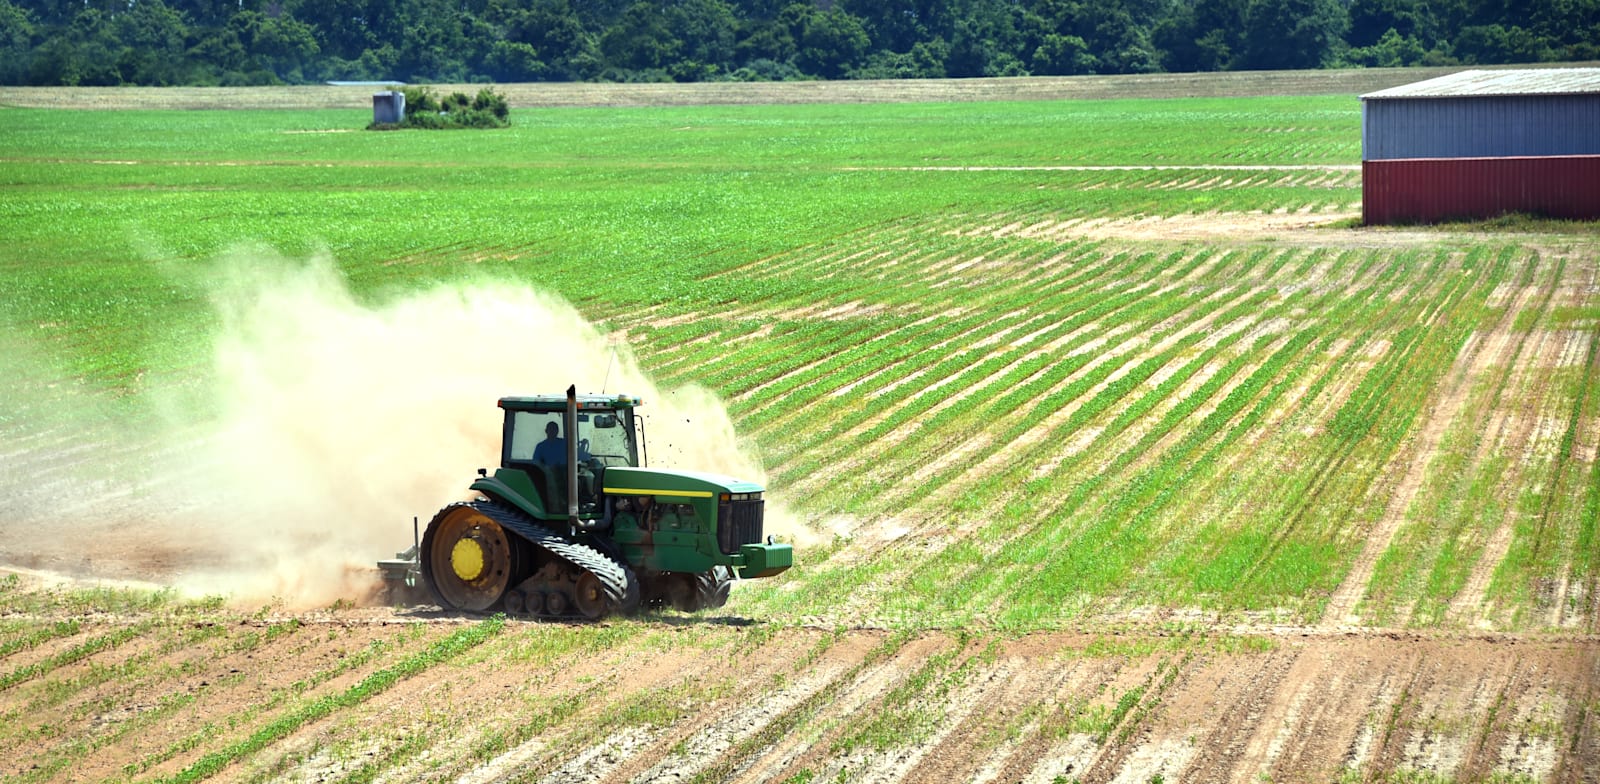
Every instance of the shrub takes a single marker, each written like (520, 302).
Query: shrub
(419, 99)
(492, 102)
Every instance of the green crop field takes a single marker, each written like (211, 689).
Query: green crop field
(926, 317)
(662, 198)
(1066, 367)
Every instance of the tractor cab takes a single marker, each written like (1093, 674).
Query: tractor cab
(543, 436)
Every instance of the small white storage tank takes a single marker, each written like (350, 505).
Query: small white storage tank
(389, 107)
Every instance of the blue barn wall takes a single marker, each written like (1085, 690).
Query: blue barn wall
(1480, 127)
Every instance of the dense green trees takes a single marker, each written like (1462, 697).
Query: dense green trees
(1292, 33)
(165, 42)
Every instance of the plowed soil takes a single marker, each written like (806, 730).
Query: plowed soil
(723, 698)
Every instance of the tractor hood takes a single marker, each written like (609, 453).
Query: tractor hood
(682, 484)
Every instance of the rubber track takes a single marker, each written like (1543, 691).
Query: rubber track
(620, 583)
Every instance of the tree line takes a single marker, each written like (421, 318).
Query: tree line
(259, 42)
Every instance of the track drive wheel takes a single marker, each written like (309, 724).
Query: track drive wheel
(468, 560)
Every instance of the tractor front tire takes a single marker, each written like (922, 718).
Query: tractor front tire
(711, 588)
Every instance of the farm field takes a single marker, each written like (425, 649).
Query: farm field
(1113, 448)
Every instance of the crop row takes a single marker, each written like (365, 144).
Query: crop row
(1126, 455)
(1124, 515)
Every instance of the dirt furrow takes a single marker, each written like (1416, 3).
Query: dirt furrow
(685, 752)
(1391, 712)
(971, 731)
(1048, 745)
(942, 745)
(1140, 745)
(1493, 702)
(1579, 730)
(1240, 700)
(237, 688)
(1330, 713)
(809, 746)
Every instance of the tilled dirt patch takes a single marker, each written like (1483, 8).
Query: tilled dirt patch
(728, 698)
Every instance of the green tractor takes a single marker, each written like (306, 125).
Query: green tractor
(571, 525)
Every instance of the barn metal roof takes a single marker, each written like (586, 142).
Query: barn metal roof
(1474, 84)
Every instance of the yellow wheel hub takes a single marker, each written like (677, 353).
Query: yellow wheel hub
(467, 558)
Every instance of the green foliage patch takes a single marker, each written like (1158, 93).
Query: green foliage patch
(160, 43)
(425, 110)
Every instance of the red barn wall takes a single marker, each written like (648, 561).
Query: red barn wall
(1429, 190)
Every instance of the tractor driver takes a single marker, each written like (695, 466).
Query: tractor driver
(552, 451)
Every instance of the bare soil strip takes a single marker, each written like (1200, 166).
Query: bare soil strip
(552, 94)
(681, 697)
(1300, 229)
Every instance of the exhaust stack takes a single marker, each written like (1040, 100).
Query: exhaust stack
(572, 453)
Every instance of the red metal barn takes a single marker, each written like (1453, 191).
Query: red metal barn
(1478, 144)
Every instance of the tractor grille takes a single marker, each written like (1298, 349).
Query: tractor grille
(739, 522)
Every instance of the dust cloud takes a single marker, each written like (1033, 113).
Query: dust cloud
(325, 424)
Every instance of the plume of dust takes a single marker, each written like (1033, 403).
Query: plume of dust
(339, 421)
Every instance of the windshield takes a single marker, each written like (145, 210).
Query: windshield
(604, 436)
